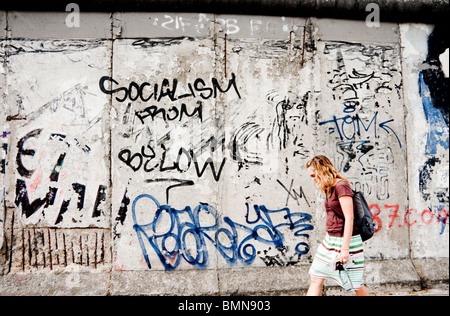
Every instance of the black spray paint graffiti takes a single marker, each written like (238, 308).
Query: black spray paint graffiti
(288, 109)
(4, 149)
(170, 114)
(292, 193)
(282, 259)
(239, 144)
(145, 159)
(251, 141)
(24, 172)
(162, 96)
(31, 207)
(47, 46)
(433, 75)
(349, 87)
(147, 92)
(3, 165)
(71, 100)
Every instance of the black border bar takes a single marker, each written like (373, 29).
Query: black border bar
(426, 11)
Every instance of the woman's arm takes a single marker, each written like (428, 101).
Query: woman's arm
(347, 207)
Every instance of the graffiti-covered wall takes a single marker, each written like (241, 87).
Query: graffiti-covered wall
(164, 153)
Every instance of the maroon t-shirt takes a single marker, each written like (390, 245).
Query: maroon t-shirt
(335, 215)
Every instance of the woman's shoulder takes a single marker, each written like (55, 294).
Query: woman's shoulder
(340, 182)
(342, 187)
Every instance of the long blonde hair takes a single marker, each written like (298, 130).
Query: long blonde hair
(326, 173)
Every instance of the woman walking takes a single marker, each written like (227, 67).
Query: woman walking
(340, 257)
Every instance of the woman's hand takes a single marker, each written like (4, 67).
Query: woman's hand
(345, 255)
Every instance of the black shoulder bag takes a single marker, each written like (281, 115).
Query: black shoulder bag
(362, 217)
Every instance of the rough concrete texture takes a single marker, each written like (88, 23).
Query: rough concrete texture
(164, 153)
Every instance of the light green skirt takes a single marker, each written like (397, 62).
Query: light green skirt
(323, 265)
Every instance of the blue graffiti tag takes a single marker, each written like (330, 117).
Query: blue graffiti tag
(172, 233)
(349, 126)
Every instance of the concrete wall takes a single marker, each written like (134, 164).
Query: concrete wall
(164, 153)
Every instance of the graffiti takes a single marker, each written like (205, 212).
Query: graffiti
(240, 141)
(434, 79)
(348, 127)
(410, 217)
(289, 110)
(154, 158)
(438, 134)
(215, 130)
(178, 114)
(283, 259)
(28, 208)
(291, 193)
(50, 249)
(371, 73)
(49, 217)
(230, 26)
(22, 200)
(167, 89)
(71, 100)
(147, 154)
(183, 24)
(189, 231)
(426, 177)
(252, 143)
(351, 131)
(33, 178)
(351, 148)
(362, 83)
(3, 165)
(70, 142)
(136, 160)
(200, 25)
(433, 88)
(19, 47)
(4, 149)
(29, 152)
(147, 161)
(180, 22)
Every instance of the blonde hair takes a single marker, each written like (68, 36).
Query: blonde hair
(326, 173)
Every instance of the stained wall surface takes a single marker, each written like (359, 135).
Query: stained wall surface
(164, 153)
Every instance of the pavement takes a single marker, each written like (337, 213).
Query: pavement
(391, 290)
(427, 292)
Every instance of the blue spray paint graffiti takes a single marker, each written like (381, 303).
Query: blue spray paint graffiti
(203, 225)
(438, 134)
(349, 126)
(433, 89)
(351, 129)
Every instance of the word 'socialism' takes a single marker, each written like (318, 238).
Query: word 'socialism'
(167, 89)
